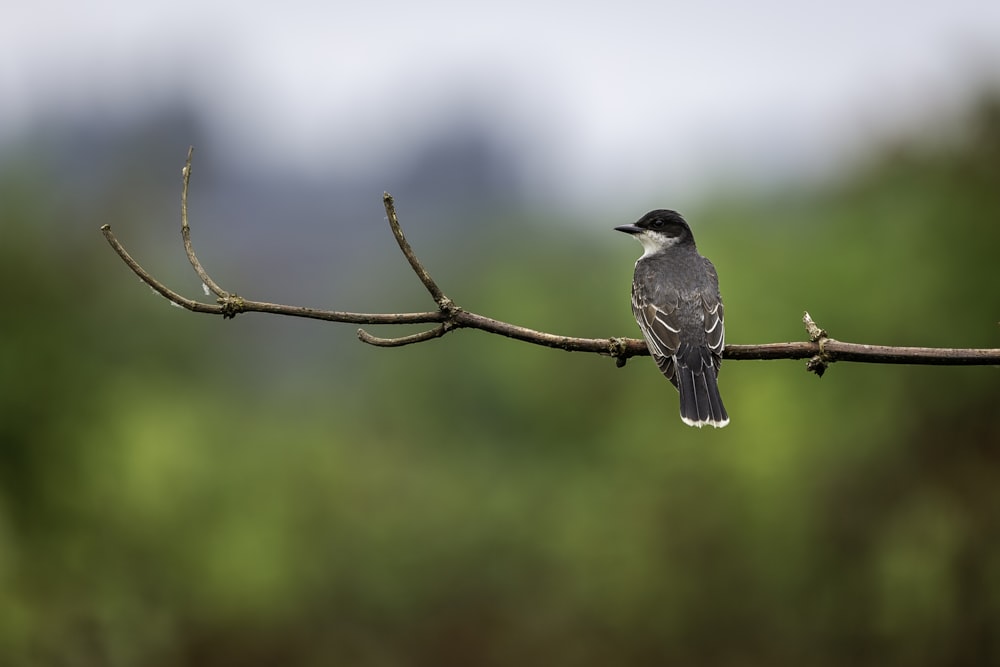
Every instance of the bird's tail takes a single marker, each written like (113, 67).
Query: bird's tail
(700, 400)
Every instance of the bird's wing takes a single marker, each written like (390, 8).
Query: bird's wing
(660, 327)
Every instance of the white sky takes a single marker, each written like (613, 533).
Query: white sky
(597, 98)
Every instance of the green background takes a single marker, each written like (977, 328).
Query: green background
(176, 489)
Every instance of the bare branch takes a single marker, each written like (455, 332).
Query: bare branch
(443, 302)
(820, 350)
(233, 305)
(186, 232)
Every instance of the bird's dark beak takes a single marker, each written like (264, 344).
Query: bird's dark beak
(629, 229)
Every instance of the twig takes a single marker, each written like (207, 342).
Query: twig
(443, 302)
(436, 332)
(186, 232)
(165, 291)
(820, 350)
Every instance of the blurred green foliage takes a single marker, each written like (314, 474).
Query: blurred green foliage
(477, 501)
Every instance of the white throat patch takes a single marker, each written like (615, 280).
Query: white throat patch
(654, 242)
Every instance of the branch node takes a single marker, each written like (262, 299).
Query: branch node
(618, 348)
(819, 362)
(232, 306)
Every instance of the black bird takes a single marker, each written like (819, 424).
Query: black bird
(676, 301)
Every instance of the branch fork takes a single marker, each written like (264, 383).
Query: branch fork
(446, 307)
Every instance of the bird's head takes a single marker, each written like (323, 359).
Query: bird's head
(659, 230)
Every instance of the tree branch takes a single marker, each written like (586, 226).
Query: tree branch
(820, 350)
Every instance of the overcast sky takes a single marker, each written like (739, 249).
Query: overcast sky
(595, 98)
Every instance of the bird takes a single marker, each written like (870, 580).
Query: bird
(678, 306)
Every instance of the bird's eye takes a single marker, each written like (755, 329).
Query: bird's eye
(656, 224)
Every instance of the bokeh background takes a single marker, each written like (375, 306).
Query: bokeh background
(176, 489)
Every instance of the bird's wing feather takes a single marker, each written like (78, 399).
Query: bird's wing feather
(715, 318)
(660, 328)
(715, 326)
